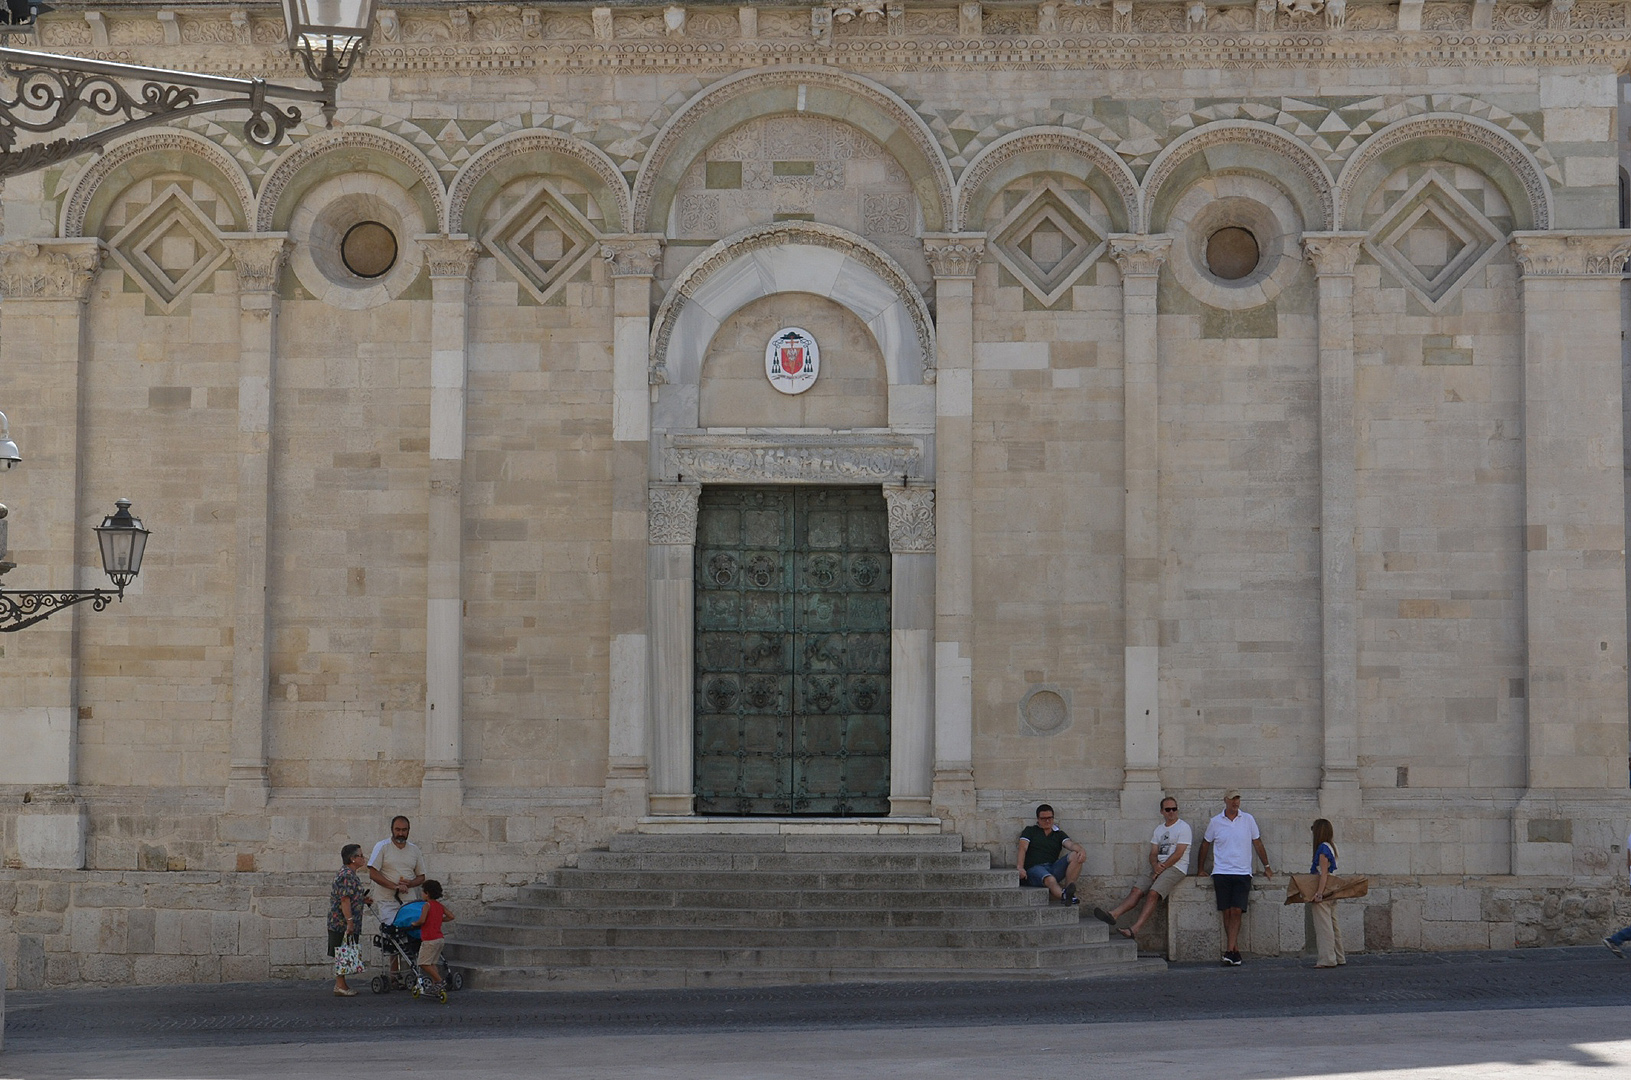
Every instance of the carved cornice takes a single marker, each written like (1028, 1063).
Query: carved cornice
(954, 255)
(258, 260)
(1591, 253)
(49, 269)
(911, 520)
(1332, 254)
(634, 255)
(450, 256)
(795, 458)
(672, 513)
(1140, 255)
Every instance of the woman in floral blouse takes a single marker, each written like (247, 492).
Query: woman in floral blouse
(345, 900)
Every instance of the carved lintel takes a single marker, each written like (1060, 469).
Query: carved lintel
(49, 269)
(1140, 254)
(954, 255)
(1589, 253)
(911, 519)
(633, 254)
(970, 19)
(672, 513)
(1332, 254)
(257, 258)
(813, 459)
(450, 256)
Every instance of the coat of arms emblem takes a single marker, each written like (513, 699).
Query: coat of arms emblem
(792, 360)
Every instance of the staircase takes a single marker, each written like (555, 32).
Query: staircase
(667, 910)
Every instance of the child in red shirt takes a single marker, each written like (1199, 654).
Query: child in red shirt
(430, 930)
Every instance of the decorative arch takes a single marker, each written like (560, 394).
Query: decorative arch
(409, 168)
(88, 188)
(792, 256)
(589, 162)
(812, 91)
(1251, 133)
(1524, 174)
(1045, 140)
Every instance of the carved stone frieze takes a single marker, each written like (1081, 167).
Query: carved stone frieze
(671, 511)
(954, 255)
(49, 269)
(1332, 254)
(1140, 255)
(450, 256)
(257, 260)
(911, 519)
(812, 459)
(1593, 253)
(635, 255)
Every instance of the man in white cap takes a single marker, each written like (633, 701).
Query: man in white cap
(1231, 837)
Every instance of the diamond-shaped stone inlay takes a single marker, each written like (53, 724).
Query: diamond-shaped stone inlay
(1047, 243)
(169, 248)
(1432, 239)
(543, 240)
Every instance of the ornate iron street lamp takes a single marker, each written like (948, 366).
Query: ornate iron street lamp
(327, 35)
(123, 541)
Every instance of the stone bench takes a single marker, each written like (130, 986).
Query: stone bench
(1271, 927)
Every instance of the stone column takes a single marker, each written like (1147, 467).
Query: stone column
(911, 663)
(44, 287)
(258, 261)
(1332, 255)
(451, 259)
(669, 558)
(1139, 258)
(1574, 517)
(631, 261)
(954, 258)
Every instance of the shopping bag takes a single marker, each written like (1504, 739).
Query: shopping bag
(1303, 886)
(348, 958)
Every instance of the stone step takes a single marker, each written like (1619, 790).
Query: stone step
(590, 898)
(783, 862)
(752, 880)
(817, 918)
(534, 936)
(892, 958)
(813, 842)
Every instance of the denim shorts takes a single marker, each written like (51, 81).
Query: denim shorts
(1037, 874)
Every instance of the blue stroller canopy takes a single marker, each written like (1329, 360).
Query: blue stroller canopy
(407, 915)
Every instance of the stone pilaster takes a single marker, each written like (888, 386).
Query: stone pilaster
(258, 261)
(631, 261)
(670, 556)
(1140, 257)
(44, 287)
(451, 260)
(1574, 518)
(955, 259)
(1332, 256)
(912, 666)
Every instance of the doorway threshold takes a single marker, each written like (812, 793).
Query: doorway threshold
(791, 826)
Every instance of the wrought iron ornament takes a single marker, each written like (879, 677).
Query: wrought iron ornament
(23, 609)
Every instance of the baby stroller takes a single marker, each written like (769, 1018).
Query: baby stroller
(400, 938)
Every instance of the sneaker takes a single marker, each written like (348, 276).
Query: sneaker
(1070, 893)
(1611, 946)
(1069, 899)
(1232, 958)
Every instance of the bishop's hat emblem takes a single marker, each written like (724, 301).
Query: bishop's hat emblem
(792, 360)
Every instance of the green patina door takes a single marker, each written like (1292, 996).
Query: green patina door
(792, 651)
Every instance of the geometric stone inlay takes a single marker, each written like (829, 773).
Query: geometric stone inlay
(169, 248)
(543, 240)
(1047, 243)
(1432, 239)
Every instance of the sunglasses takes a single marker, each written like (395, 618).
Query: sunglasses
(1169, 809)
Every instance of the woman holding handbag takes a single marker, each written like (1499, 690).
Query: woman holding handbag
(1327, 934)
(345, 900)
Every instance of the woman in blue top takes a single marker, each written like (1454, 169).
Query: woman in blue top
(1327, 935)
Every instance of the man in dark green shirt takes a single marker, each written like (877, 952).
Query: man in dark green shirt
(1049, 858)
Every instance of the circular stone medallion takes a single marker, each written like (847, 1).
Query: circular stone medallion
(792, 360)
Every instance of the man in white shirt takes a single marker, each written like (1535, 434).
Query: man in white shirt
(1231, 837)
(396, 869)
(1168, 863)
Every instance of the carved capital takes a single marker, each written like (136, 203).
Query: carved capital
(954, 255)
(1140, 255)
(1332, 254)
(450, 256)
(632, 255)
(49, 269)
(1589, 253)
(258, 259)
(911, 519)
(672, 513)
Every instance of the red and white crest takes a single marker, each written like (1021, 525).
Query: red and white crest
(792, 360)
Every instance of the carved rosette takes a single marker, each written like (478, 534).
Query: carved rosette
(911, 520)
(634, 255)
(1595, 253)
(1140, 255)
(672, 513)
(450, 256)
(1332, 254)
(49, 270)
(954, 255)
(257, 260)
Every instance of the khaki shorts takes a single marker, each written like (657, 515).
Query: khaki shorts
(1163, 885)
(430, 952)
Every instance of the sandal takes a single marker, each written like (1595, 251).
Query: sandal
(1103, 916)
(1126, 933)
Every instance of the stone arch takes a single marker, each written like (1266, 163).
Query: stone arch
(868, 106)
(99, 182)
(536, 152)
(1032, 150)
(321, 156)
(1255, 147)
(792, 256)
(1465, 139)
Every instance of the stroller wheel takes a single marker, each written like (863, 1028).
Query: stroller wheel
(455, 979)
(378, 984)
(415, 989)
(441, 995)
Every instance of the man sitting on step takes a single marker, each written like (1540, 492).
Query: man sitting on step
(1049, 858)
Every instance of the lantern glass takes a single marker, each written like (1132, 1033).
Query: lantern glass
(329, 25)
(123, 542)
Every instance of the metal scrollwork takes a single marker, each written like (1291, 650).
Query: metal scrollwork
(25, 608)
